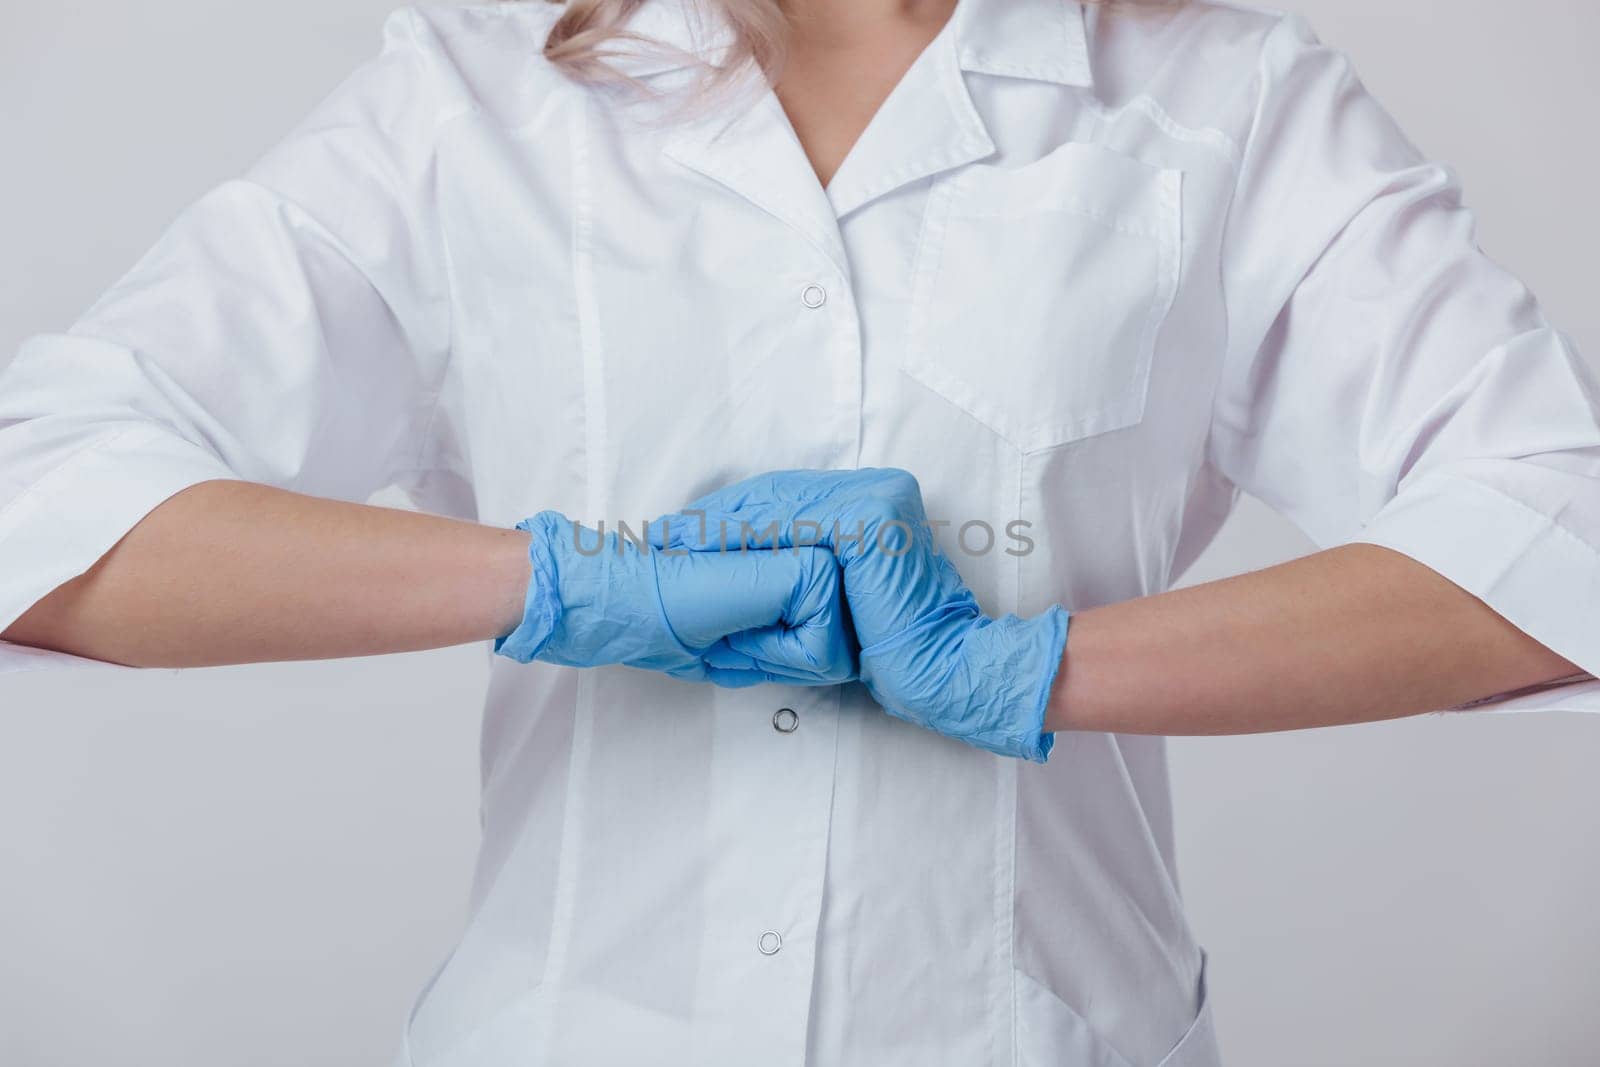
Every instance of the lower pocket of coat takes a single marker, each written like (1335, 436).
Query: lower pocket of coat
(1039, 292)
(1198, 1046)
(1050, 1033)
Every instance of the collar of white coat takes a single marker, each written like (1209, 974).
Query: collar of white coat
(1042, 40)
(926, 126)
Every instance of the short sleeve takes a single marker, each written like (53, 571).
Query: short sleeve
(1386, 382)
(288, 328)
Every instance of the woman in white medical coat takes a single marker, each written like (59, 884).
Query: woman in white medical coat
(1093, 270)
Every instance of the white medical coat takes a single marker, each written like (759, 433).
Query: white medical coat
(1093, 272)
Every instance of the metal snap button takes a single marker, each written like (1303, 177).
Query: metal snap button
(769, 943)
(786, 720)
(813, 296)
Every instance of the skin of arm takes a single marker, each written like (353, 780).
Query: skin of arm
(233, 572)
(1352, 634)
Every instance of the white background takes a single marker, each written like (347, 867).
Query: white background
(260, 865)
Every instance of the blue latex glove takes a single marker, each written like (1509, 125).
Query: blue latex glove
(928, 653)
(734, 618)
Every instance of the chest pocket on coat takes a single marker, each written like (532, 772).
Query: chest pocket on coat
(1039, 290)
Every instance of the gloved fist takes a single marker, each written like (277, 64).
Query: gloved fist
(735, 618)
(928, 653)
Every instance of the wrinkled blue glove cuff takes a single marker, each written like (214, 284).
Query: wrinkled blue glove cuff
(541, 609)
(1035, 742)
(1026, 659)
(983, 681)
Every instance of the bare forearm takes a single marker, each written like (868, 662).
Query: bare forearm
(231, 572)
(1352, 634)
